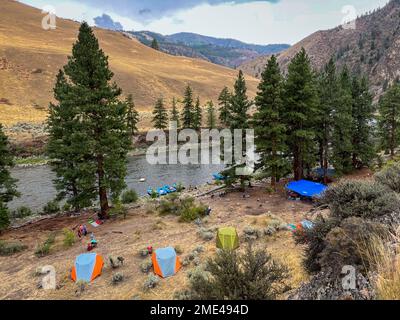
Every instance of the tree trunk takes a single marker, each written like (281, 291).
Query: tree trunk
(104, 207)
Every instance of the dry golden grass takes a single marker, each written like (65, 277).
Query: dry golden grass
(385, 261)
(30, 58)
(143, 227)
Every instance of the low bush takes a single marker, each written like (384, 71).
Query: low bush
(43, 249)
(186, 208)
(10, 248)
(146, 266)
(360, 199)
(118, 210)
(117, 278)
(21, 212)
(230, 275)
(390, 177)
(51, 207)
(129, 196)
(69, 237)
(151, 282)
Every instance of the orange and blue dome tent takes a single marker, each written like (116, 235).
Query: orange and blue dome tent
(87, 267)
(166, 263)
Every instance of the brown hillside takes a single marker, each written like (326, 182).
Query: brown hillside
(372, 48)
(30, 58)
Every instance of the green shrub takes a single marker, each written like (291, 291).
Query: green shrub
(22, 212)
(4, 217)
(129, 196)
(252, 275)
(117, 278)
(180, 187)
(51, 207)
(44, 248)
(146, 266)
(185, 208)
(10, 248)
(390, 177)
(67, 207)
(69, 237)
(118, 210)
(360, 199)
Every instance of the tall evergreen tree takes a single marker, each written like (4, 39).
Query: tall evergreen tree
(133, 116)
(389, 119)
(188, 109)
(154, 44)
(362, 115)
(300, 103)
(160, 119)
(197, 115)
(269, 127)
(8, 188)
(69, 146)
(239, 119)
(328, 101)
(175, 113)
(97, 118)
(224, 102)
(342, 125)
(211, 116)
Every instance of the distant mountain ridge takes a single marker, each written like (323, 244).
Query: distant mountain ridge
(227, 52)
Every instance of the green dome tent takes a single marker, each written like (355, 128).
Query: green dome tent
(228, 239)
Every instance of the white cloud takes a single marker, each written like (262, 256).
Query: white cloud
(287, 21)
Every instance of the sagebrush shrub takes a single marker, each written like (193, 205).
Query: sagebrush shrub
(10, 248)
(43, 249)
(360, 199)
(22, 212)
(129, 196)
(230, 275)
(390, 177)
(51, 207)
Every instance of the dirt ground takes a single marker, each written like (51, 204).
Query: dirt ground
(144, 227)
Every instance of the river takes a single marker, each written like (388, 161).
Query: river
(36, 186)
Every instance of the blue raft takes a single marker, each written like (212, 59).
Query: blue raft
(162, 191)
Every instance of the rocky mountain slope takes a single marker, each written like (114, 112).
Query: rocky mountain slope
(373, 47)
(227, 52)
(30, 58)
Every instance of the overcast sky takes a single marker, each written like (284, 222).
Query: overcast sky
(253, 21)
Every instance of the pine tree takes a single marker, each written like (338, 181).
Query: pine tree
(68, 145)
(197, 115)
(239, 119)
(133, 116)
(362, 115)
(211, 116)
(342, 126)
(300, 111)
(188, 109)
(154, 44)
(268, 124)
(175, 113)
(224, 102)
(96, 118)
(4, 217)
(328, 90)
(389, 119)
(8, 188)
(160, 119)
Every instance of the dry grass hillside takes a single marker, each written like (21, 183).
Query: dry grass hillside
(371, 48)
(30, 58)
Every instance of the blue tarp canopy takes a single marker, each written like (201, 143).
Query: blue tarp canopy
(306, 188)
